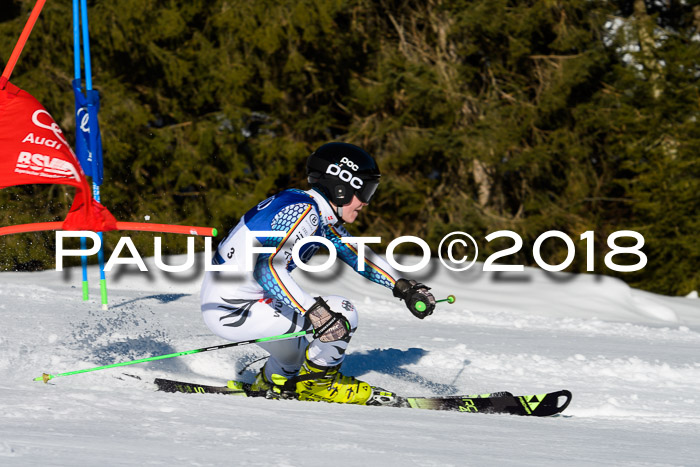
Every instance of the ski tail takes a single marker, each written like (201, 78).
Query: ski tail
(234, 388)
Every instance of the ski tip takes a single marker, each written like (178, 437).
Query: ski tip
(567, 395)
(546, 405)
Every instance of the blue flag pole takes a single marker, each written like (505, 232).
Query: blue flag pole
(78, 136)
(89, 140)
(95, 142)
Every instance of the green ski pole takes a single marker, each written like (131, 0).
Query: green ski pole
(46, 377)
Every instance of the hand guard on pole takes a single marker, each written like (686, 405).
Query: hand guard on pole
(418, 300)
(329, 326)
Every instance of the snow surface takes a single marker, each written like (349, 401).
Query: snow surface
(631, 359)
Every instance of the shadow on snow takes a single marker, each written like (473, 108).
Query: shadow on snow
(162, 298)
(390, 362)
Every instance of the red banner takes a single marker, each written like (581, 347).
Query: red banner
(34, 150)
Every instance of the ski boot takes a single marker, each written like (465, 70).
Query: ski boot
(328, 384)
(272, 388)
(261, 383)
(316, 383)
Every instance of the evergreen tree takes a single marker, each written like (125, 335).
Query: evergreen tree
(484, 115)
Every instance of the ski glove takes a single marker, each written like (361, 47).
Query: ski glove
(415, 294)
(329, 325)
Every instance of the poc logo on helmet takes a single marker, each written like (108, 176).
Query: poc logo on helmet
(344, 175)
(349, 163)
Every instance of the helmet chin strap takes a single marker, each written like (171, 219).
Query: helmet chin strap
(338, 209)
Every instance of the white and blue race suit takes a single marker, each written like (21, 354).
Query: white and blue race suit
(267, 301)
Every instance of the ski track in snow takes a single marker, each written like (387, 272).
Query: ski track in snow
(629, 357)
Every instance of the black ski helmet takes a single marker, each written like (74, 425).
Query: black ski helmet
(341, 170)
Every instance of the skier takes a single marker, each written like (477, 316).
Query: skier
(268, 302)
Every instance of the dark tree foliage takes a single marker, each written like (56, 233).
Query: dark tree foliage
(484, 115)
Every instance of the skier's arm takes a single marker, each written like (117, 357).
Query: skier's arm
(375, 268)
(296, 221)
(379, 271)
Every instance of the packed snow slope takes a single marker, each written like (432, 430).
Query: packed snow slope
(631, 359)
